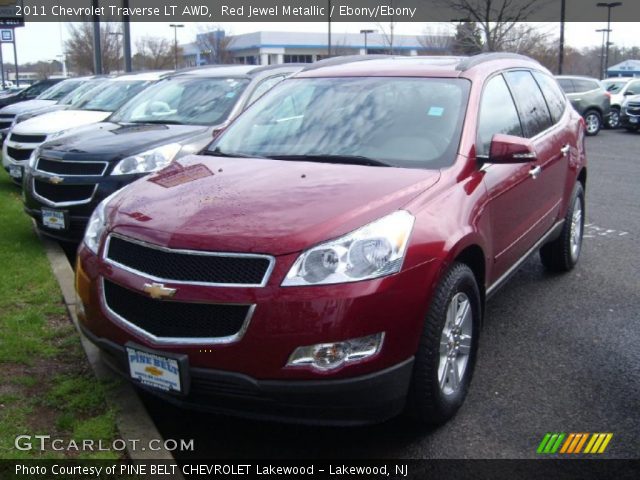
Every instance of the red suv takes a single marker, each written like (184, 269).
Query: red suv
(329, 256)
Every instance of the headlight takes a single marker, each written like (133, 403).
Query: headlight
(33, 158)
(97, 225)
(149, 161)
(373, 251)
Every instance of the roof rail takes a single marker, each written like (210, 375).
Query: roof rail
(333, 61)
(475, 60)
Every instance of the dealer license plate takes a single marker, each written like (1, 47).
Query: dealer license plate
(15, 171)
(53, 219)
(154, 370)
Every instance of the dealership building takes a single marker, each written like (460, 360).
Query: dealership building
(269, 48)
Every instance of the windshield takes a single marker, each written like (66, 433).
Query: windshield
(112, 95)
(614, 86)
(185, 100)
(59, 90)
(403, 122)
(79, 93)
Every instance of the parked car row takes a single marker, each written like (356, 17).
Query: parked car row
(312, 245)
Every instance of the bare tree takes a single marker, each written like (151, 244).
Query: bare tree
(79, 47)
(154, 53)
(438, 38)
(495, 18)
(214, 43)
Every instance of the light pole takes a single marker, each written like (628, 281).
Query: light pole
(563, 9)
(603, 73)
(365, 33)
(608, 6)
(175, 42)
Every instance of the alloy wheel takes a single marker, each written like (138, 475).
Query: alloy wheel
(455, 344)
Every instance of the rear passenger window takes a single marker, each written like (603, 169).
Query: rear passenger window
(585, 85)
(552, 94)
(530, 102)
(566, 85)
(498, 114)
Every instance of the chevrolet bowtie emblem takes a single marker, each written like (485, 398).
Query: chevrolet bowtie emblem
(158, 290)
(56, 180)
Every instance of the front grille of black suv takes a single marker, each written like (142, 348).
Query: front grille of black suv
(16, 137)
(189, 266)
(63, 193)
(59, 167)
(167, 319)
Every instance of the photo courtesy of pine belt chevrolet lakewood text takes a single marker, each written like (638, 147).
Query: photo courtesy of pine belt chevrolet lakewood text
(328, 257)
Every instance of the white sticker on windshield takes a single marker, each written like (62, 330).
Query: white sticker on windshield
(436, 111)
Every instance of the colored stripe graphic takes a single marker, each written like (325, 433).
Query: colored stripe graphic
(573, 443)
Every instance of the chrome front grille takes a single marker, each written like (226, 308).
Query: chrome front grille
(193, 267)
(71, 168)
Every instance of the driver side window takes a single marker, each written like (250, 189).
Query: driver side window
(498, 114)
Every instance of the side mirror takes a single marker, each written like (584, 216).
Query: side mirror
(510, 149)
(629, 92)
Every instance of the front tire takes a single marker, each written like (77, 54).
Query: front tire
(613, 121)
(593, 121)
(448, 346)
(562, 254)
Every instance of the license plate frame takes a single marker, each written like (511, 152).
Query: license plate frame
(145, 365)
(55, 219)
(15, 172)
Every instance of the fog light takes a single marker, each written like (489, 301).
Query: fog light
(326, 356)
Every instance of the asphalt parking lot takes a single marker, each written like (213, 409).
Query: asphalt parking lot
(558, 353)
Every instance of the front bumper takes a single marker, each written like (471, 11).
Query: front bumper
(284, 318)
(629, 121)
(360, 400)
(77, 213)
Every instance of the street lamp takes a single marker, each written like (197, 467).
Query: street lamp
(365, 33)
(175, 42)
(608, 6)
(603, 73)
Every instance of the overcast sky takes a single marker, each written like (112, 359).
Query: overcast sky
(31, 46)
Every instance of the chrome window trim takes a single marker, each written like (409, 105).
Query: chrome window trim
(265, 279)
(178, 340)
(105, 165)
(51, 203)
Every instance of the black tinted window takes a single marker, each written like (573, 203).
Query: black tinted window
(567, 85)
(530, 102)
(585, 85)
(498, 114)
(553, 95)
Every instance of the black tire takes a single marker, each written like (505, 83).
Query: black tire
(426, 401)
(613, 121)
(595, 117)
(557, 255)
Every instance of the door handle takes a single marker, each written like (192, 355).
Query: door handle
(535, 171)
(565, 150)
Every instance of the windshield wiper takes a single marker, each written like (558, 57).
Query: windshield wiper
(348, 159)
(216, 152)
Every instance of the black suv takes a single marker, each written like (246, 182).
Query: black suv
(67, 177)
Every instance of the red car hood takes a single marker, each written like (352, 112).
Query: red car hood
(259, 206)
